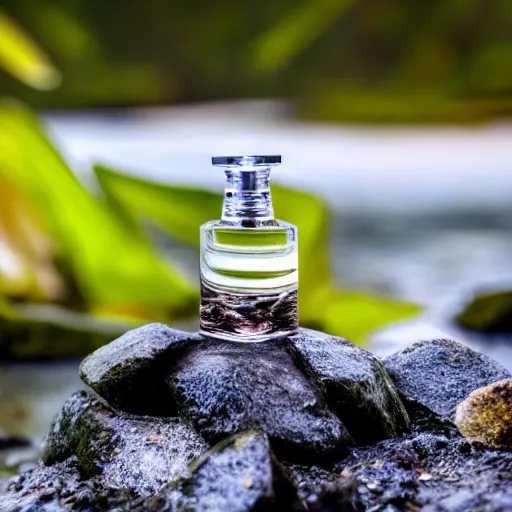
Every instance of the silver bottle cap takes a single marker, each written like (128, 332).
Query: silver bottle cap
(246, 161)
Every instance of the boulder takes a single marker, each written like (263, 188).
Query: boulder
(138, 453)
(240, 474)
(129, 372)
(437, 375)
(226, 387)
(486, 415)
(354, 383)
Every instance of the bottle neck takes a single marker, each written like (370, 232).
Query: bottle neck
(247, 199)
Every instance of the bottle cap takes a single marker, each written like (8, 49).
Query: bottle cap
(246, 161)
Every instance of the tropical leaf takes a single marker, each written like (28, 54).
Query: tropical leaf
(113, 266)
(176, 210)
(23, 59)
(179, 211)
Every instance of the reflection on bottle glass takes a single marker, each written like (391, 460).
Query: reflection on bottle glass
(249, 274)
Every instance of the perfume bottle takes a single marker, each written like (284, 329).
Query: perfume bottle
(249, 263)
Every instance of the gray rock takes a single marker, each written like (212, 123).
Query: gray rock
(59, 488)
(129, 372)
(238, 475)
(225, 388)
(438, 374)
(355, 385)
(138, 453)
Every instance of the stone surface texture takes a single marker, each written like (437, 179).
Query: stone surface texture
(226, 387)
(304, 423)
(240, 474)
(60, 488)
(138, 453)
(354, 383)
(439, 374)
(128, 371)
(486, 415)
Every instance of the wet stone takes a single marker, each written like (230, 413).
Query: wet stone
(354, 382)
(437, 375)
(129, 372)
(225, 388)
(240, 475)
(60, 488)
(138, 453)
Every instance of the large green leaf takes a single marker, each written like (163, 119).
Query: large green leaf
(179, 211)
(310, 216)
(113, 266)
(21, 57)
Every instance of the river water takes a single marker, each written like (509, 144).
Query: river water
(421, 214)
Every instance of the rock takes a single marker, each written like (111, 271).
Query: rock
(59, 488)
(278, 397)
(226, 387)
(489, 313)
(486, 415)
(240, 475)
(138, 453)
(355, 385)
(438, 374)
(7, 442)
(418, 473)
(129, 372)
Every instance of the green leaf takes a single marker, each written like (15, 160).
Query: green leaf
(310, 216)
(355, 315)
(290, 36)
(21, 57)
(179, 211)
(114, 267)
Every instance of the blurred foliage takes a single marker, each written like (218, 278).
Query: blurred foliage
(70, 258)
(23, 59)
(348, 60)
(77, 270)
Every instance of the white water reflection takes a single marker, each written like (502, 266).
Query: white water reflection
(364, 168)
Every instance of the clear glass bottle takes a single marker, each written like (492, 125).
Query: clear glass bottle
(249, 264)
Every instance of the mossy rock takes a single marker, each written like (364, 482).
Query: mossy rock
(488, 313)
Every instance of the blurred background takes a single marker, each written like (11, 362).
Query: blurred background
(394, 122)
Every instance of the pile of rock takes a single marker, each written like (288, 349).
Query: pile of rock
(176, 421)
